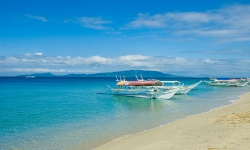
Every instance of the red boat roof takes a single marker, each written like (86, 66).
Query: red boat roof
(141, 83)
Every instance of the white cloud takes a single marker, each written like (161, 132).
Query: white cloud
(191, 17)
(173, 65)
(95, 23)
(222, 52)
(171, 19)
(97, 59)
(145, 20)
(39, 54)
(87, 61)
(36, 70)
(133, 57)
(35, 54)
(209, 61)
(230, 23)
(43, 19)
(11, 59)
(233, 16)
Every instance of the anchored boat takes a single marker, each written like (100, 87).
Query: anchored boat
(242, 81)
(144, 89)
(233, 82)
(149, 88)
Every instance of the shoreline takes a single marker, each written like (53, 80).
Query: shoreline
(210, 130)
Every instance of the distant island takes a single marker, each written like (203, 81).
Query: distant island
(126, 74)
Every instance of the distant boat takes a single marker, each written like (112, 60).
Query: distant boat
(242, 81)
(30, 77)
(233, 82)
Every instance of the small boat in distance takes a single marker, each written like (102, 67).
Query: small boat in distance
(242, 81)
(233, 82)
(30, 77)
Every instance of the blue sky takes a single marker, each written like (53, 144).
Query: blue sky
(190, 38)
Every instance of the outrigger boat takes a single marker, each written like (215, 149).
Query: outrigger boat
(228, 82)
(143, 89)
(174, 84)
(242, 81)
(149, 88)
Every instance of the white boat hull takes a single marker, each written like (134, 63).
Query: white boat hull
(167, 94)
(145, 93)
(229, 83)
(243, 83)
(222, 84)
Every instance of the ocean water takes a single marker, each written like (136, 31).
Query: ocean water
(66, 113)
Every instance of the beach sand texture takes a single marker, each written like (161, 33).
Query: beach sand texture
(227, 127)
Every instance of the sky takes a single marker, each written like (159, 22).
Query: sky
(188, 38)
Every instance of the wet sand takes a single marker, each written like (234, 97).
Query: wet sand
(227, 127)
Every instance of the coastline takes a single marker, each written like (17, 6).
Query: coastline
(226, 127)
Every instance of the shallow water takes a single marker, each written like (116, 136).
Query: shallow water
(66, 113)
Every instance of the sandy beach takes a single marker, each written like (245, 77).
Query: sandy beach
(227, 127)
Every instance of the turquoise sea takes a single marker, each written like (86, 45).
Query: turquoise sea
(66, 113)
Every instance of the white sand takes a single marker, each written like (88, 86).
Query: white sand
(227, 128)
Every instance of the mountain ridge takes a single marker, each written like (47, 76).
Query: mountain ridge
(126, 73)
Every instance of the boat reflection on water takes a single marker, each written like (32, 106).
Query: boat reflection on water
(143, 103)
